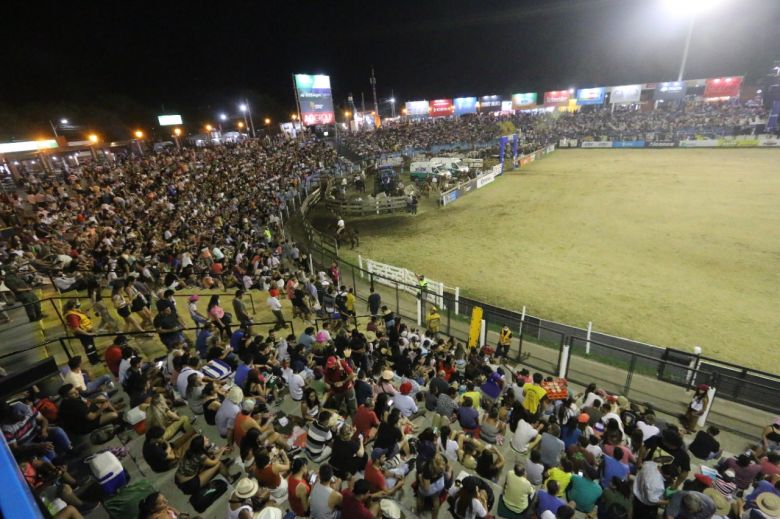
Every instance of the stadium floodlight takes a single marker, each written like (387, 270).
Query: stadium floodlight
(63, 121)
(223, 117)
(242, 108)
(689, 9)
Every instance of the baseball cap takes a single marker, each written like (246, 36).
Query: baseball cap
(583, 418)
(331, 362)
(406, 388)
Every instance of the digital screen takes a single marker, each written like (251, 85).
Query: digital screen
(591, 96)
(13, 147)
(465, 105)
(169, 120)
(557, 97)
(417, 108)
(520, 101)
(442, 108)
(625, 94)
(669, 91)
(315, 99)
(723, 87)
(490, 103)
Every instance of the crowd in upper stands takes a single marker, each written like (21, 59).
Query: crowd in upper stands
(380, 407)
(590, 123)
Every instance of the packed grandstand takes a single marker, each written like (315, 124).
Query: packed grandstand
(361, 413)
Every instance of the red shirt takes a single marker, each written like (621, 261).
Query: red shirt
(365, 418)
(353, 508)
(374, 477)
(216, 268)
(333, 375)
(295, 502)
(448, 371)
(113, 357)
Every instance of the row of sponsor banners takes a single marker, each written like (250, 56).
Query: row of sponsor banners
(486, 178)
(732, 142)
(621, 94)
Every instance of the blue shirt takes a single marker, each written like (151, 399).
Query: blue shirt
(547, 502)
(306, 339)
(613, 468)
(200, 342)
(242, 371)
(468, 417)
(570, 435)
(236, 338)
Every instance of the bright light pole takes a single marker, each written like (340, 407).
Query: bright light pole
(222, 118)
(246, 108)
(392, 105)
(689, 9)
(62, 122)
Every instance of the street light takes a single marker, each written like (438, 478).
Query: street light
(209, 128)
(267, 121)
(347, 114)
(294, 117)
(247, 109)
(689, 9)
(63, 121)
(223, 117)
(177, 131)
(240, 125)
(392, 105)
(93, 138)
(139, 134)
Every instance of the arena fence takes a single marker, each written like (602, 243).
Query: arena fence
(692, 140)
(661, 377)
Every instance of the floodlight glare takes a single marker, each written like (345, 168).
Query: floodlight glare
(63, 121)
(243, 108)
(223, 117)
(687, 8)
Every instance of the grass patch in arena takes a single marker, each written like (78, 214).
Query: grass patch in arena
(671, 247)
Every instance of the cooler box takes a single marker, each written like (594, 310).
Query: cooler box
(108, 472)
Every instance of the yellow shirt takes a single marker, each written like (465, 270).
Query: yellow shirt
(563, 479)
(533, 396)
(517, 493)
(350, 302)
(475, 398)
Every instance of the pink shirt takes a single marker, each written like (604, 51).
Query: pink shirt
(217, 312)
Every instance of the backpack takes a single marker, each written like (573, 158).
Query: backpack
(207, 494)
(125, 503)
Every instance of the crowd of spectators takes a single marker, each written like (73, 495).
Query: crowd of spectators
(590, 123)
(379, 408)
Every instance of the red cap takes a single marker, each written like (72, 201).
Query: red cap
(331, 362)
(406, 388)
(583, 418)
(705, 480)
(703, 387)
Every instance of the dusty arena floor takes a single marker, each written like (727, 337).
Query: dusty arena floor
(672, 247)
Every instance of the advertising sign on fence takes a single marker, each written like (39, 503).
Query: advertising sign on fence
(591, 96)
(628, 144)
(522, 101)
(315, 99)
(723, 87)
(700, 143)
(625, 94)
(489, 104)
(417, 108)
(485, 179)
(557, 98)
(465, 105)
(442, 108)
(670, 91)
(661, 144)
(769, 141)
(597, 144)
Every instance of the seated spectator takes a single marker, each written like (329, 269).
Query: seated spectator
(365, 421)
(491, 430)
(199, 464)
(562, 475)
(50, 482)
(745, 470)
(613, 467)
(551, 446)
(584, 490)
(298, 488)
(357, 503)
(690, 505)
(160, 415)
(490, 463)
(225, 418)
(78, 377)
(534, 468)
(547, 499)
(347, 453)
(388, 480)
(160, 454)
(405, 403)
(325, 498)
(156, 506)
(470, 501)
(515, 501)
(28, 433)
(271, 468)
(524, 435)
(82, 416)
(616, 500)
(468, 417)
(319, 437)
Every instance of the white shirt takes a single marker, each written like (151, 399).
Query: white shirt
(648, 431)
(451, 451)
(124, 365)
(340, 224)
(77, 379)
(273, 303)
(181, 381)
(405, 404)
(226, 417)
(296, 383)
(522, 435)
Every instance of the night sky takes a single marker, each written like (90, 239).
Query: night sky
(111, 61)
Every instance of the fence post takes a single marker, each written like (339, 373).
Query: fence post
(311, 264)
(252, 301)
(520, 336)
(360, 265)
(587, 344)
(482, 332)
(563, 359)
(457, 300)
(397, 300)
(419, 311)
(630, 375)
(354, 281)
(65, 348)
(449, 318)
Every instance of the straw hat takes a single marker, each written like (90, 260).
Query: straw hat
(235, 395)
(388, 375)
(769, 503)
(390, 509)
(721, 505)
(269, 512)
(246, 488)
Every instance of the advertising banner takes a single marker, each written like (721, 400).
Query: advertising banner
(15, 147)
(597, 144)
(450, 196)
(169, 120)
(700, 143)
(521, 101)
(485, 179)
(489, 104)
(475, 327)
(737, 143)
(557, 98)
(314, 97)
(591, 96)
(506, 106)
(723, 87)
(524, 161)
(628, 144)
(465, 105)
(769, 141)
(442, 108)
(417, 108)
(661, 144)
(625, 94)
(669, 91)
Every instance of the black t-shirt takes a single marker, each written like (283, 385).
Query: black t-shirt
(343, 455)
(155, 454)
(682, 460)
(703, 445)
(73, 416)
(387, 436)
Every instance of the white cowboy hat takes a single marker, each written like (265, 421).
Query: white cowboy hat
(269, 512)
(246, 488)
(390, 509)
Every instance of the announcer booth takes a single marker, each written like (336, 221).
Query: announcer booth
(16, 499)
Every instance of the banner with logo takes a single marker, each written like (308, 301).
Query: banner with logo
(769, 142)
(625, 94)
(669, 91)
(557, 98)
(723, 87)
(597, 144)
(661, 144)
(314, 97)
(489, 104)
(465, 105)
(475, 328)
(522, 101)
(417, 108)
(591, 96)
(628, 144)
(506, 106)
(442, 108)
(700, 143)
(485, 179)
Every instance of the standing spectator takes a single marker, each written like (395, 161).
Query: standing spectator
(374, 302)
(276, 309)
(339, 377)
(240, 310)
(24, 294)
(81, 326)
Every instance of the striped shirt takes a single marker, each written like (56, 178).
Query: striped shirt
(25, 429)
(316, 439)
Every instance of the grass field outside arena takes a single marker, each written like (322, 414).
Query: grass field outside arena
(671, 247)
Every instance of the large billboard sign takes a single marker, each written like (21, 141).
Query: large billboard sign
(522, 101)
(591, 96)
(557, 98)
(315, 99)
(417, 108)
(465, 105)
(169, 120)
(723, 87)
(489, 104)
(442, 108)
(14, 147)
(669, 91)
(625, 94)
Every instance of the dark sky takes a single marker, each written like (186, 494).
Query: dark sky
(200, 57)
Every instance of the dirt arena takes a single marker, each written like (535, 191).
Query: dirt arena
(672, 247)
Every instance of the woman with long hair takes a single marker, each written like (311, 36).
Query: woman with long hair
(696, 408)
(199, 464)
(219, 317)
(470, 502)
(310, 405)
(122, 306)
(139, 304)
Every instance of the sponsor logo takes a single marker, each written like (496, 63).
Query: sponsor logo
(597, 144)
(661, 144)
(485, 179)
